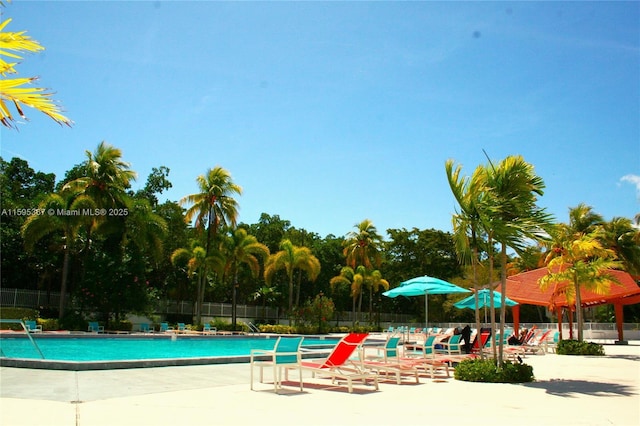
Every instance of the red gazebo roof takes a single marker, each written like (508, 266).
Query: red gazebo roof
(524, 289)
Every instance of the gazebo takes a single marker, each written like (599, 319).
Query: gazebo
(524, 289)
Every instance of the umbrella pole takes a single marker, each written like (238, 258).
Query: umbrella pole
(426, 312)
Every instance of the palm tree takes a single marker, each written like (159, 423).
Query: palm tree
(18, 91)
(268, 294)
(38, 226)
(582, 219)
(580, 260)
(195, 263)
(623, 238)
(354, 279)
(510, 215)
(212, 207)
(467, 224)
(375, 283)
(363, 248)
(290, 258)
(239, 249)
(106, 177)
(144, 228)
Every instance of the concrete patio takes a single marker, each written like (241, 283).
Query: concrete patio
(571, 390)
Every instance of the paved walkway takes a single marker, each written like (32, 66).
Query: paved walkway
(568, 390)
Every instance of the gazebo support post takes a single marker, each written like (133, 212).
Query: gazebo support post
(515, 310)
(619, 321)
(570, 323)
(559, 313)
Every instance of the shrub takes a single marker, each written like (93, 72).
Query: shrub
(576, 347)
(486, 371)
(17, 313)
(315, 315)
(276, 328)
(221, 324)
(73, 320)
(120, 326)
(49, 324)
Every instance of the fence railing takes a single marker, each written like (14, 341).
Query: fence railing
(38, 299)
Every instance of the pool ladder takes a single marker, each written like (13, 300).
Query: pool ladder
(26, 330)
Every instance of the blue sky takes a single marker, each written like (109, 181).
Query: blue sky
(327, 113)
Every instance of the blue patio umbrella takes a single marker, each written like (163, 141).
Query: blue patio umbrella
(484, 300)
(424, 286)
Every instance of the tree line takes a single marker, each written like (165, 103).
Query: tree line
(192, 249)
(139, 250)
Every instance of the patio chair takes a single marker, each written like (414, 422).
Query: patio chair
(424, 357)
(481, 342)
(536, 346)
(165, 328)
(388, 361)
(32, 326)
(208, 329)
(451, 346)
(552, 343)
(145, 328)
(94, 327)
(285, 355)
(421, 349)
(337, 365)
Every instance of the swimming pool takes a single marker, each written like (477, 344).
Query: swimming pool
(93, 352)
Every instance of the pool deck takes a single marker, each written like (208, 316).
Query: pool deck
(569, 390)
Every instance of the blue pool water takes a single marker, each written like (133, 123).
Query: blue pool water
(133, 348)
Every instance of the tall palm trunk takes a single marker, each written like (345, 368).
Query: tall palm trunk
(492, 307)
(298, 288)
(578, 308)
(234, 306)
(290, 296)
(198, 291)
(503, 301)
(353, 311)
(474, 266)
(63, 284)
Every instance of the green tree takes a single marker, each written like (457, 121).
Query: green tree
(106, 178)
(577, 260)
(270, 230)
(511, 216)
(623, 238)
(196, 264)
(240, 249)
(467, 222)
(157, 182)
(415, 252)
(363, 247)
(21, 187)
(354, 279)
(268, 294)
(40, 225)
(290, 258)
(211, 208)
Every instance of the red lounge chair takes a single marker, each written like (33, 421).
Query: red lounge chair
(337, 365)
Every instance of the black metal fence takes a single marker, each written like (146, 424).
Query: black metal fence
(38, 299)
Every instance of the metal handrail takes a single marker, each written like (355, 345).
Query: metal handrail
(26, 330)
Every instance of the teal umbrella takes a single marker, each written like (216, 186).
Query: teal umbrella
(484, 300)
(424, 286)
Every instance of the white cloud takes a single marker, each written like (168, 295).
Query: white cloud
(634, 180)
